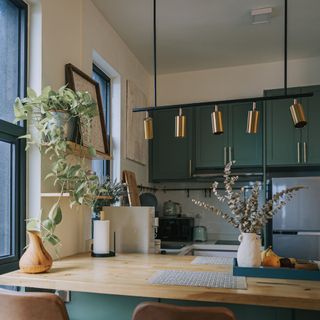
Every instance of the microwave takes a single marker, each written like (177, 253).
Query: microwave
(175, 229)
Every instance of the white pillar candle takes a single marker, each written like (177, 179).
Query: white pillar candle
(101, 236)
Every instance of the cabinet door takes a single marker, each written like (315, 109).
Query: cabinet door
(311, 132)
(169, 156)
(283, 139)
(246, 149)
(210, 149)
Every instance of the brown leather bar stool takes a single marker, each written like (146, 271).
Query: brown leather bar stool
(31, 306)
(161, 311)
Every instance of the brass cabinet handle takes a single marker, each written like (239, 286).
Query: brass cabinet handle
(230, 154)
(298, 151)
(225, 155)
(305, 152)
(190, 168)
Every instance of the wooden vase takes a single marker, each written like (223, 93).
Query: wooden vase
(36, 258)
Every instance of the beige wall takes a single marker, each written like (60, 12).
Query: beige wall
(70, 32)
(235, 82)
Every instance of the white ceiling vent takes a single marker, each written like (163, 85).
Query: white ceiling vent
(262, 15)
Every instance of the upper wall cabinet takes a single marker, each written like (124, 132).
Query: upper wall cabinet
(311, 132)
(210, 151)
(214, 151)
(170, 157)
(287, 145)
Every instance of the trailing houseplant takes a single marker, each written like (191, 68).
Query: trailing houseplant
(50, 114)
(246, 215)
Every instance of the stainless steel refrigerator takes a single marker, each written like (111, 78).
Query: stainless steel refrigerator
(296, 227)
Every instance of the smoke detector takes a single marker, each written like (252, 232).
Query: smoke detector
(261, 15)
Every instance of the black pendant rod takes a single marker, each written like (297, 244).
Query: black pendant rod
(220, 102)
(285, 46)
(155, 50)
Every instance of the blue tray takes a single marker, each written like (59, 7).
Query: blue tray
(278, 273)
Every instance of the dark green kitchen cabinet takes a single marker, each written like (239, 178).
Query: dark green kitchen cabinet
(210, 150)
(246, 149)
(285, 144)
(310, 140)
(170, 157)
(214, 151)
(282, 138)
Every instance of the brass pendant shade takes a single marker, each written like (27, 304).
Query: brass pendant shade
(180, 125)
(216, 121)
(148, 127)
(253, 120)
(297, 113)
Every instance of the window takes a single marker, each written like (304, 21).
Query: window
(13, 41)
(102, 168)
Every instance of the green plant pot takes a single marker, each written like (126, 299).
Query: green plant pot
(63, 120)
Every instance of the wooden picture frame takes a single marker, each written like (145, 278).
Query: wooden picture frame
(77, 80)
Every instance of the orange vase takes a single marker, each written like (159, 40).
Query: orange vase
(36, 259)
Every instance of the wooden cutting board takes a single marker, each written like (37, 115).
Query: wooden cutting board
(129, 178)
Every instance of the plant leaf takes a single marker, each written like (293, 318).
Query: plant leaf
(55, 213)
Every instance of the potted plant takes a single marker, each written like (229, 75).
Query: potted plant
(246, 215)
(109, 193)
(51, 112)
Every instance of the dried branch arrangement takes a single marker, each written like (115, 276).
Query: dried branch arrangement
(246, 214)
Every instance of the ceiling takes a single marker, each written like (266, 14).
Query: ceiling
(203, 34)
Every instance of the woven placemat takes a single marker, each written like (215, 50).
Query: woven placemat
(199, 279)
(212, 260)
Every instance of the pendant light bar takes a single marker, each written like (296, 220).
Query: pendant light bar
(220, 102)
(285, 58)
(148, 121)
(155, 51)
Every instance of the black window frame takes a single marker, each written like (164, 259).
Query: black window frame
(107, 112)
(10, 133)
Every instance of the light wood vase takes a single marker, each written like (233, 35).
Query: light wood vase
(36, 259)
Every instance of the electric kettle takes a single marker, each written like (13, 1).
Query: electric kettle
(200, 234)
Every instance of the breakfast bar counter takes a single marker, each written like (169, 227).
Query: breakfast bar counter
(129, 274)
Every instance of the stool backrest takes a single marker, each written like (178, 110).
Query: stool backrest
(31, 306)
(160, 311)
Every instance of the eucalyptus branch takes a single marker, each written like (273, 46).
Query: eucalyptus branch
(246, 215)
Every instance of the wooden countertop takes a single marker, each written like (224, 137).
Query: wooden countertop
(128, 274)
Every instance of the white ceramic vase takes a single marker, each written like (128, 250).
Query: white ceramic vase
(248, 254)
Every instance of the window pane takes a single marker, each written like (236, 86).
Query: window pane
(6, 192)
(102, 168)
(9, 61)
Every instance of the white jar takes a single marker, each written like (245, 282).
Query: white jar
(248, 254)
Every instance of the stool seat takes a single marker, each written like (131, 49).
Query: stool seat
(31, 306)
(161, 311)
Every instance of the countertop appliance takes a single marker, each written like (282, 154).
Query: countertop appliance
(200, 233)
(296, 227)
(171, 209)
(175, 229)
